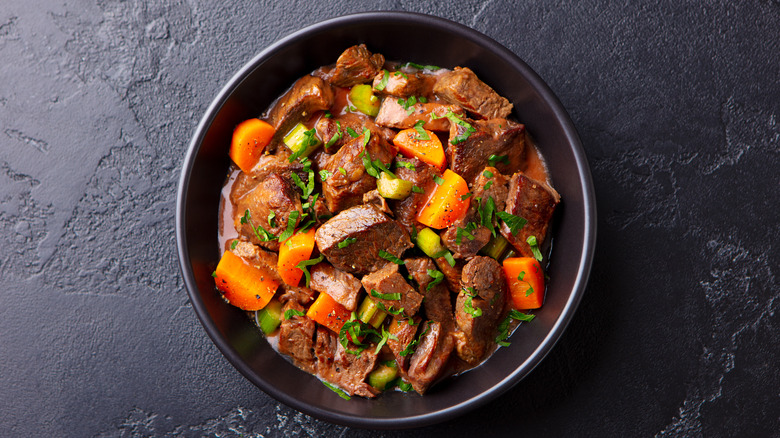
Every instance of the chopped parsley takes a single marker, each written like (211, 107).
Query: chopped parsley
(366, 136)
(261, 233)
(391, 296)
(521, 276)
(468, 303)
(487, 174)
(532, 242)
(289, 313)
(438, 180)
(503, 327)
(291, 219)
(420, 67)
(450, 259)
(383, 82)
(391, 310)
(337, 390)
(309, 139)
(486, 210)
(466, 196)
(336, 137)
(515, 223)
(408, 104)
(464, 232)
(352, 133)
(303, 266)
(410, 348)
(342, 171)
(385, 336)
(416, 189)
(421, 134)
(324, 174)
(400, 73)
(493, 159)
(407, 164)
(271, 221)
(488, 184)
(389, 257)
(346, 242)
(233, 244)
(437, 276)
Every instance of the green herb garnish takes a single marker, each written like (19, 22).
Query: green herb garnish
(335, 137)
(466, 196)
(337, 390)
(343, 171)
(438, 180)
(346, 242)
(421, 134)
(437, 276)
(233, 244)
(303, 266)
(416, 189)
(407, 164)
(389, 257)
(493, 159)
(352, 133)
(515, 223)
(383, 83)
(288, 232)
(289, 313)
(503, 327)
(261, 233)
(487, 174)
(453, 118)
(534, 247)
(324, 174)
(420, 67)
(450, 259)
(392, 296)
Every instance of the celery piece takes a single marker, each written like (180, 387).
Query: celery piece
(362, 97)
(269, 318)
(382, 375)
(430, 243)
(369, 313)
(495, 247)
(393, 188)
(302, 141)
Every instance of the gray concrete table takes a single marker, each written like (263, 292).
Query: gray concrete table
(677, 104)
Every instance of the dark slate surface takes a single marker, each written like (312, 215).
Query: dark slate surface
(677, 105)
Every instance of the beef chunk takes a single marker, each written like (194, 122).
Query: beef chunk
(328, 127)
(484, 290)
(374, 198)
(497, 187)
(535, 202)
(302, 295)
(490, 137)
(348, 371)
(404, 84)
(265, 260)
(393, 115)
(462, 87)
(308, 95)
(403, 330)
(430, 357)
(356, 65)
(278, 164)
(273, 194)
(422, 177)
(341, 286)
(296, 338)
(343, 190)
(452, 274)
(464, 246)
(372, 231)
(437, 303)
(389, 281)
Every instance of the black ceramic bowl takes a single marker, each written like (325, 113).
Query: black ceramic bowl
(398, 36)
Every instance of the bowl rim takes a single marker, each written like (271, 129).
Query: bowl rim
(589, 226)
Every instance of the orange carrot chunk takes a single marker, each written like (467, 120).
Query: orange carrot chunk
(525, 279)
(249, 140)
(425, 147)
(293, 251)
(446, 203)
(326, 311)
(245, 286)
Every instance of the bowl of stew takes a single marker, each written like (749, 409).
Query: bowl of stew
(385, 220)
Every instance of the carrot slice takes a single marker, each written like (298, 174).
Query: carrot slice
(326, 311)
(525, 279)
(293, 251)
(429, 151)
(446, 203)
(249, 140)
(245, 286)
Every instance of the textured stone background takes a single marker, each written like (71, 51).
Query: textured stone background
(677, 104)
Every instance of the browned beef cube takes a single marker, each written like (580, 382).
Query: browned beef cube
(497, 187)
(403, 331)
(452, 274)
(296, 338)
(393, 115)
(371, 230)
(356, 65)
(374, 198)
(462, 87)
(303, 295)
(348, 371)
(276, 163)
(265, 260)
(437, 303)
(348, 179)
(308, 95)
(465, 245)
(484, 291)
(430, 357)
(535, 202)
(404, 84)
(341, 286)
(274, 194)
(422, 177)
(468, 156)
(388, 281)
